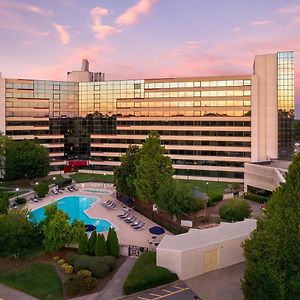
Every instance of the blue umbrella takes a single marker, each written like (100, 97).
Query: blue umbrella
(157, 230)
(89, 227)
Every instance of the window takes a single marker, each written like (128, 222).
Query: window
(56, 87)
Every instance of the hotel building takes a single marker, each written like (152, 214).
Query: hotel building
(210, 126)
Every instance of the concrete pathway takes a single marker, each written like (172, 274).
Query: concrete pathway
(114, 289)
(8, 293)
(222, 284)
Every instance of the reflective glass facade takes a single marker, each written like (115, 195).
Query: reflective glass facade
(286, 96)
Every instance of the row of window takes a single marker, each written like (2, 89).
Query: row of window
(188, 84)
(167, 104)
(228, 93)
(26, 104)
(205, 173)
(187, 113)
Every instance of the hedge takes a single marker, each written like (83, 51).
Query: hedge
(255, 197)
(62, 181)
(20, 200)
(41, 189)
(145, 274)
(214, 198)
(235, 210)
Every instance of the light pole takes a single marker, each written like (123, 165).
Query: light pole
(207, 188)
(17, 190)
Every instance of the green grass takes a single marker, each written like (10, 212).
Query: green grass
(86, 177)
(38, 280)
(213, 187)
(145, 274)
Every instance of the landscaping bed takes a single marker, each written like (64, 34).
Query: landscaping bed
(87, 177)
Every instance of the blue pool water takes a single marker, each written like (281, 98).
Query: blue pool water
(75, 206)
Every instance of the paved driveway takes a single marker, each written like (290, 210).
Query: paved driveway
(221, 284)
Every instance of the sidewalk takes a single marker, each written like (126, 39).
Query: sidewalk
(8, 293)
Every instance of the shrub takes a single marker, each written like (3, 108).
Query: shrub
(101, 248)
(214, 198)
(255, 198)
(55, 258)
(82, 262)
(62, 182)
(235, 210)
(61, 261)
(83, 244)
(111, 261)
(84, 273)
(4, 203)
(71, 258)
(145, 274)
(80, 283)
(98, 267)
(20, 200)
(112, 243)
(92, 243)
(41, 189)
(69, 269)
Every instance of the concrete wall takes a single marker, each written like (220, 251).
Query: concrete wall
(264, 117)
(2, 105)
(263, 177)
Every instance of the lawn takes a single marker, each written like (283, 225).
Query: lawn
(86, 177)
(38, 280)
(145, 274)
(212, 187)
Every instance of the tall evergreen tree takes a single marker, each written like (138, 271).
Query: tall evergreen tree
(152, 167)
(83, 244)
(101, 248)
(92, 243)
(272, 254)
(125, 174)
(4, 203)
(113, 243)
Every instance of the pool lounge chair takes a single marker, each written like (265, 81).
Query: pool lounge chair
(112, 206)
(129, 218)
(53, 191)
(124, 214)
(108, 202)
(70, 189)
(141, 226)
(136, 223)
(132, 220)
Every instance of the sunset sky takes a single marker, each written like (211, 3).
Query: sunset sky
(145, 38)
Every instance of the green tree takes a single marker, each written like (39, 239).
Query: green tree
(101, 248)
(18, 235)
(125, 174)
(176, 198)
(56, 231)
(76, 231)
(83, 244)
(41, 189)
(4, 203)
(3, 144)
(112, 243)
(296, 126)
(26, 159)
(152, 167)
(272, 253)
(92, 243)
(235, 210)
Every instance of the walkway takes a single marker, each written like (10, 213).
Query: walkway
(8, 293)
(114, 288)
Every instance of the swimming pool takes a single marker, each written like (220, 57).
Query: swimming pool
(75, 207)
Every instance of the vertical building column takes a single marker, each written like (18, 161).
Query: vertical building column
(2, 105)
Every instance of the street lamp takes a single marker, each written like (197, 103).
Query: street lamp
(207, 187)
(17, 190)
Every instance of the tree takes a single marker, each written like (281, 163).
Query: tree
(296, 127)
(272, 253)
(112, 243)
(56, 231)
(92, 243)
(41, 189)
(235, 210)
(125, 174)
(76, 231)
(83, 244)
(4, 203)
(152, 167)
(101, 248)
(18, 235)
(3, 143)
(25, 159)
(176, 198)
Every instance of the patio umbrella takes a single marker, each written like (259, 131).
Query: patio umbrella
(157, 230)
(89, 227)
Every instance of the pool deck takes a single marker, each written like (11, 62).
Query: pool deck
(126, 234)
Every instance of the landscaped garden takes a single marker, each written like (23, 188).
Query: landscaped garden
(87, 177)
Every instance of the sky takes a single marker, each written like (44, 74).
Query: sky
(139, 39)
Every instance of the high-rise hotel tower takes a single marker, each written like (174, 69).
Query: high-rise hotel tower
(210, 126)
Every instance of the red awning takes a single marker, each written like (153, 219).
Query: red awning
(78, 163)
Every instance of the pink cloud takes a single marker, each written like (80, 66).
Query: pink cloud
(134, 13)
(64, 36)
(236, 30)
(291, 9)
(101, 30)
(260, 22)
(24, 29)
